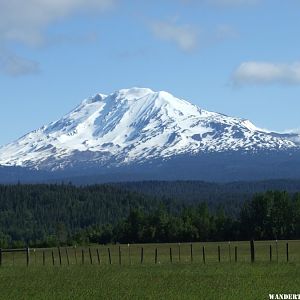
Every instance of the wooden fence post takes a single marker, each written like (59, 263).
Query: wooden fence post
(91, 258)
(44, 258)
(75, 254)
(53, 261)
(120, 256)
(59, 255)
(252, 251)
(219, 254)
(179, 252)
(229, 251)
(109, 255)
(287, 252)
(155, 259)
(129, 254)
(67, 254)
(171, 257)
(276, 251)
(98, 257)
(27, 256)
(203, 254)
(270, 253)
(191, 252)
(82, 256)
(142, 255)
(235, 254)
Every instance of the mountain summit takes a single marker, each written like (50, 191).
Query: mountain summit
(136, 126)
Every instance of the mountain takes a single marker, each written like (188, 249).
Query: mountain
(141, 134)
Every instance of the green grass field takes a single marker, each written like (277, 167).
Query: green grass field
(184, 279)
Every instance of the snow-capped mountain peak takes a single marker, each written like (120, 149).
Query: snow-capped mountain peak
(136, 125)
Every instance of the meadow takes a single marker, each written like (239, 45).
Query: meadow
(185, 277)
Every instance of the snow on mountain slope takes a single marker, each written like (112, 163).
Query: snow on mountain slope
(136, 125)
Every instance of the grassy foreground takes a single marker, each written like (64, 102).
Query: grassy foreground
(177, 281)
(184, 277)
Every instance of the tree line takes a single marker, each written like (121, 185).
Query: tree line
(52, 215)
(267, 216)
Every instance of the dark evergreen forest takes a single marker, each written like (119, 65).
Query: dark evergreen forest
(51, 215)
(230, 196)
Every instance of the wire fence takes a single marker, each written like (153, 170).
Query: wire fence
(175, 253)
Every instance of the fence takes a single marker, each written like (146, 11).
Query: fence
(225, 252)
(13, 251)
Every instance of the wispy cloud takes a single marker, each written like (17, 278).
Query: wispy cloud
(224, 32)
(292, 131)
(232, 2)
(134, 54)
(266, 73)
(223, 3)
(188, 37)
(25, 22)
(14, 65)
(183, 36)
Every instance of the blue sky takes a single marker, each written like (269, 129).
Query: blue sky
(238, 57)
